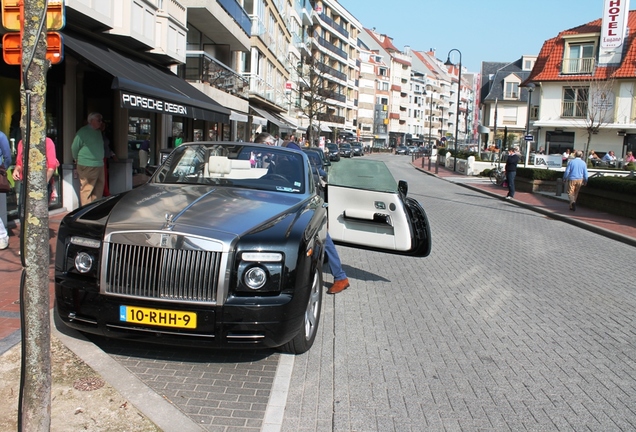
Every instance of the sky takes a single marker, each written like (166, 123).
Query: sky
(482, 30)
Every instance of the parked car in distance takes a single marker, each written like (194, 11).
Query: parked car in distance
(357, 149)
(345, 150)
(401, 150)
(224, 247)
(318, 158)
(413, 149)
(334, 152)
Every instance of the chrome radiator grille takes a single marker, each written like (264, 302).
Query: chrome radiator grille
(162, 273)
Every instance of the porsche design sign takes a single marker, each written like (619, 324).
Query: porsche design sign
(133, 101)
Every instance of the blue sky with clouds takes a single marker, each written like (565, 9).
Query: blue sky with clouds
(486, 30)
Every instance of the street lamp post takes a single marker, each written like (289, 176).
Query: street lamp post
(430, 115)
(459, 88)
(530, 90)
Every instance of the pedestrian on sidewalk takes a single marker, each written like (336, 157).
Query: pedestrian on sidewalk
(511, 170)
(88, 153)
(51, 166)
(576, 176)
(5, 162)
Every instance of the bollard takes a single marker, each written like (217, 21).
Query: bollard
(429, 162)
(559, 187)
(437, 164)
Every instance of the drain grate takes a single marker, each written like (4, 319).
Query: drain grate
(88, 384)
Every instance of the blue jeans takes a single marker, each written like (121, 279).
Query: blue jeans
(510, 178)
(335, 266)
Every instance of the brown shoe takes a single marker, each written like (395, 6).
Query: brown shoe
(339, 285)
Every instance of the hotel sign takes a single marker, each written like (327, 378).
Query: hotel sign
(615, 13)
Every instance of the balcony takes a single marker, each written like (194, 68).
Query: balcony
(200, 67)
(337, 27)
(578, 65)
(236, 11)
(330, 118)
(329, 46)
(574, 109)
(331, 71)
(394, 116)
(330, 94)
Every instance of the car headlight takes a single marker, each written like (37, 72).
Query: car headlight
(255, 277)
(259, 272)
(83, 262)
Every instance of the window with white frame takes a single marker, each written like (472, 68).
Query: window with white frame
(512, 90)
(579, 58)
(575, 101)
(509, 115)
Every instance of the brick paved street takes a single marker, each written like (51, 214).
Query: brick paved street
(515, 322)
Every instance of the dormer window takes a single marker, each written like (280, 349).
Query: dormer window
(579, 58)
(511, 87)
(512, 90)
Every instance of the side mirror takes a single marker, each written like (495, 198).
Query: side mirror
(403, 187)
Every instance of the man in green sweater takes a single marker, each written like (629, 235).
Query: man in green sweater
(88, 153)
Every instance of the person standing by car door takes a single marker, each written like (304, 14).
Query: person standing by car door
(88, 153)
(341, 281)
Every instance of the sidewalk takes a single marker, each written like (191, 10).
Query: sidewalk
(618, 228)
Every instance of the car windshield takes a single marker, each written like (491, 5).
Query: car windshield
(363, 174)
(345, 146)
(251, 166)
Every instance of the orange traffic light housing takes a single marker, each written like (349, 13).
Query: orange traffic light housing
(11, 20)
(12, 48)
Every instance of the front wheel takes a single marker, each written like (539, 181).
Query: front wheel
(307, 334)
(496, 176)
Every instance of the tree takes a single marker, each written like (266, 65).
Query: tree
(314, 91)
(35, 392)
(590, 103)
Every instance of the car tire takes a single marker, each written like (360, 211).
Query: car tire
(307, 333)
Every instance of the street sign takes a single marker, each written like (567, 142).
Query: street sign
(529, 137)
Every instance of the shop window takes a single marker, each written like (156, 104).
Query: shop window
(141, 140)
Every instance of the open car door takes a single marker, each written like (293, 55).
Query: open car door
(370, 210)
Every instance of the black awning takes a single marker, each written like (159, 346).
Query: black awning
(274, 118)
(147, 87)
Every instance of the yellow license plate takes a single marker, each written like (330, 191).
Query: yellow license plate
(158, 317)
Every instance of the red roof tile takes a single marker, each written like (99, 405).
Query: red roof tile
(548, 64)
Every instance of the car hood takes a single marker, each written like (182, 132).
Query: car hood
(198, 210)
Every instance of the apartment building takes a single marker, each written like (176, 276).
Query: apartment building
(269, 64)
(335, 50)
(504, 102)
(399, 83)
(585, 85)
(369, 67)
(437, 94)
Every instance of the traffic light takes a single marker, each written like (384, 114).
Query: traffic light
(12, 48)
(12, 20)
